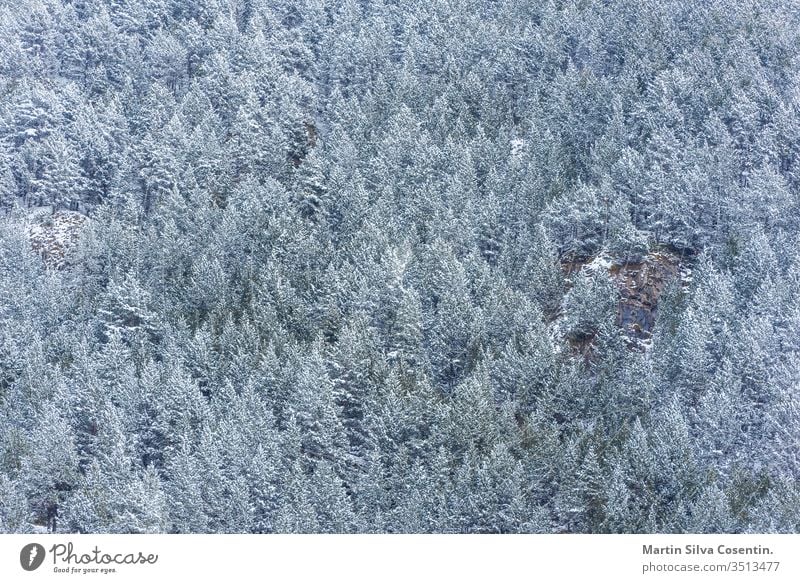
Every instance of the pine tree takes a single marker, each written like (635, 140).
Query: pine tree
(50, 471)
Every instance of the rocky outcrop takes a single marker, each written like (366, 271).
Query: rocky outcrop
(641, 284)
(53, 236)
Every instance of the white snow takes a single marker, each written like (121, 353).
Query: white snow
(600, 262)
(53, 235)
(685, 276)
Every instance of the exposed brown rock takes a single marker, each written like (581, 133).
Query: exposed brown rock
(641, 284)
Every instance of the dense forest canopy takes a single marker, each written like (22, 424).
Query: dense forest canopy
(363, 266)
